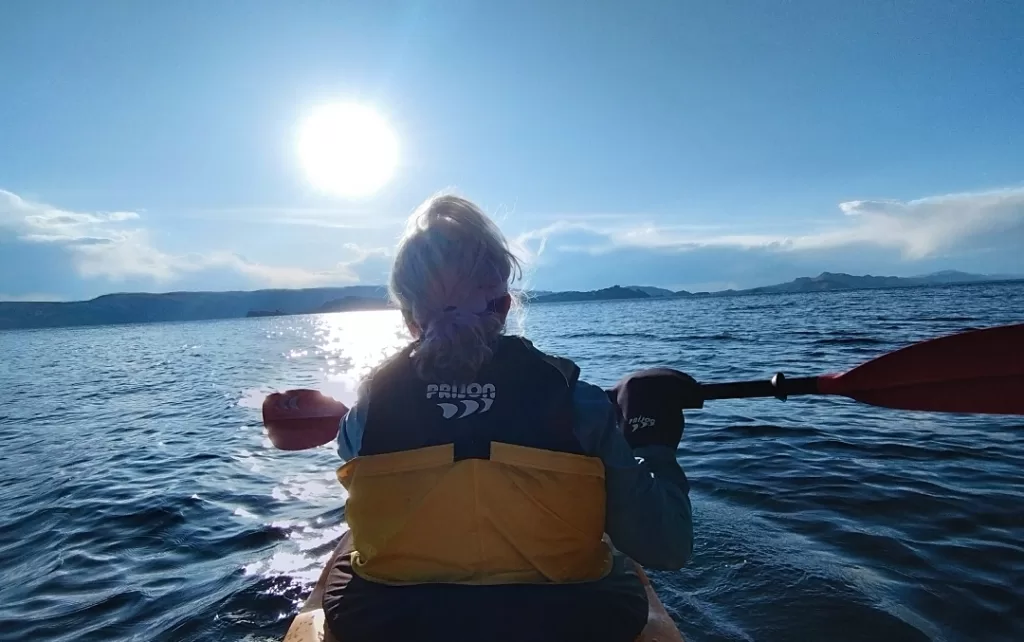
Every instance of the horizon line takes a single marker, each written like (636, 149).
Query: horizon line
(984, 277)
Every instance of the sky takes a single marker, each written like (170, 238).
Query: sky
(682, 144)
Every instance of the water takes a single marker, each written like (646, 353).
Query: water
(141, 500)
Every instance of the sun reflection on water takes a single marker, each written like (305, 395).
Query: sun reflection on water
(352, 343)
(331, 352)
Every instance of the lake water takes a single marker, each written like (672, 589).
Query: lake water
(141, 500)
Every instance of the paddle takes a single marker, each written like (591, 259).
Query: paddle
(301, 419)
(978, 371)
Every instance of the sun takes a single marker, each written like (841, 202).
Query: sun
(347, 149)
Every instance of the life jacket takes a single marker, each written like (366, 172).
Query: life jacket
(482, 482)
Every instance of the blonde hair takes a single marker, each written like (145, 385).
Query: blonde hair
(451, 266)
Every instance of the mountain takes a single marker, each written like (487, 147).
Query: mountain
(651, 291)
(531, 295)
(344, 304)
(196, 306)
(955, 276)
(175, 306)
(614, 293)
(353, 303)
(824, 282)
(827, 281)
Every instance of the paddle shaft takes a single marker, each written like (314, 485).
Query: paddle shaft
(778, 386)
(975, 371)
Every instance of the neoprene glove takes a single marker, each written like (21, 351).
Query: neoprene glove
(650, 404)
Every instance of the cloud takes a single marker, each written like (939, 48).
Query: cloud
(34, 297)
(978, 231)
(370, 265)
(280, 276)
(916, 229)
(929, 226)
(114, 246)
(38, 223)
(321, 217)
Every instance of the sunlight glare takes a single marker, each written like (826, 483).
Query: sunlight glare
(347, 149)
(359, 341)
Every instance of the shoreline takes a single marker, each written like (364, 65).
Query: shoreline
(366, 304)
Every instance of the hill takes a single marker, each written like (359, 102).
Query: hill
(175, 306)
(197, 306)
(652, 291)
(353, 303)
(613, 293)
(827, 281)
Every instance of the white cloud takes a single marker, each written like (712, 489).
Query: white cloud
(39, 223)
(929, 226)
(916, 229)
(281, 276)
(117, 246)
(31, 298)
(113, 246)
(599, 239)
(322, 217)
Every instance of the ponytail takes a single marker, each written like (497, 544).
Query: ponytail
(451, 278)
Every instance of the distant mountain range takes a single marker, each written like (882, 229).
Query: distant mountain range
(177, 306)
(824, 282)
(838, 281)
(196, 306)
(344, 304)
(613, 293)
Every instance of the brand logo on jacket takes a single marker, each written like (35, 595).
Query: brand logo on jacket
(469, 398)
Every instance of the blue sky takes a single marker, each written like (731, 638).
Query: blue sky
(151, 146)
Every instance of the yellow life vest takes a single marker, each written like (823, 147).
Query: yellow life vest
(496, 491)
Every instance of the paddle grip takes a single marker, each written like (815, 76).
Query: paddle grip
(778, 386)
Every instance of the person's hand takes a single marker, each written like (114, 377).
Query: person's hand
(650, 405)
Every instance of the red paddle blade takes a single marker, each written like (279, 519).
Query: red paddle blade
(979, 371)
(301, 419)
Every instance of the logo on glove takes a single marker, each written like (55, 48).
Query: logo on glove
(636, 423)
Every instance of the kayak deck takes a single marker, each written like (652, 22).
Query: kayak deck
(308, 625)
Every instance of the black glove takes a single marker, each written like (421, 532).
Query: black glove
(650, 405)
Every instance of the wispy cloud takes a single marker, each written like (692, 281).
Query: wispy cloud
(928, 226)
(569, 252)
(34, 297)
(916, 229)
(115, 246)
(322, 217)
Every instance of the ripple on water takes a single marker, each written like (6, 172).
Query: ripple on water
(141, 499)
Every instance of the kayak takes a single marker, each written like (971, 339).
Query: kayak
(291, 426)
(308, 624)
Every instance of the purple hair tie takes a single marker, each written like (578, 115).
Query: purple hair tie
(465, 312)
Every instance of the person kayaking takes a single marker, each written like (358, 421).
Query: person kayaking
(492, 493)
